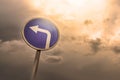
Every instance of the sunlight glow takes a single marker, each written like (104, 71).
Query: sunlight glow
(36, 3)
(71, 9)
(73, 13)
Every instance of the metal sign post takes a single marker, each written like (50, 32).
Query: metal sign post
(40, 34)
(36, 64)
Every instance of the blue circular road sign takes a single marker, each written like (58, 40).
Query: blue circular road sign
(40, 34)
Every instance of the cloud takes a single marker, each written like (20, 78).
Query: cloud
(116, 49)
(68, 60)
(53, 59)
(13, 18)
(87, 22)
(16, 58)
(104, 65)
(95, 45)
(15, 51)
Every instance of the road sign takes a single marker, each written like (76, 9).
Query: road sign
(40, 34)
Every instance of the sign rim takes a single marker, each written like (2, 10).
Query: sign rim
(23, 36)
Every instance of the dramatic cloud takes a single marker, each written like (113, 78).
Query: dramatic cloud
(95, 45)
(88, 48)
(116, 49)
(13, 17)
(17, 58)
(53, 59)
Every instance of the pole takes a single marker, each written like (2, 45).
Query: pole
(36, 64)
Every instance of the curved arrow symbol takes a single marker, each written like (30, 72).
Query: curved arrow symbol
(36, 29)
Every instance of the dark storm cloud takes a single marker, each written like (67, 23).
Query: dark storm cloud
(95, 45)
(8, 20)
(70, 62)
(96, 72)
(53, 59)
(16, 60)
(57, 52)
(81, 68)
(116, 49)
(13, 15)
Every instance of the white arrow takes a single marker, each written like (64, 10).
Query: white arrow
(36, 29)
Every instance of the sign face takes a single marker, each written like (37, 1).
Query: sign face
(40, 34)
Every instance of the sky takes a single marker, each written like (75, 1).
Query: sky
(88, 48)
